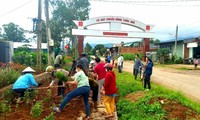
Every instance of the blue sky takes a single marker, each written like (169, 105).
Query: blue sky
(164, 15)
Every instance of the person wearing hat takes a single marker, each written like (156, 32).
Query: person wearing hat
(148, 72)
(51, 70)
(109, 90)
(24, 83)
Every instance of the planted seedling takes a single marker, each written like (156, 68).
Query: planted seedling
(48, 97)
(5, 108)
(49, 117)
(37, 109)
(61, 76)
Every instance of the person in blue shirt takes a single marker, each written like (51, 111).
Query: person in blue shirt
(148, 72)
(24, 83)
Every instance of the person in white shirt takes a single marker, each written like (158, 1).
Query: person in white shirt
(120, 63)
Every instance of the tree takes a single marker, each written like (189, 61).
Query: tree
(154, 41)
(13, 32)
(88, 48)
(100, 48)
(163, 55)
(64, 12)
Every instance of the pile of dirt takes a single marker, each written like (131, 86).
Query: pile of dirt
(174, 109)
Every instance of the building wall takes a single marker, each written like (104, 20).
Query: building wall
(132, 50)
(6, 51)
(190, 52)
(179, 50)
(186, 51)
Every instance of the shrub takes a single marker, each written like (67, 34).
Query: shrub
(8, 76)
(26, 57)
(163, 55)
(178, 61)
(131, 56)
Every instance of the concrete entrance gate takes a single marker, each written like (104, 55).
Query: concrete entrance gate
(115, 23)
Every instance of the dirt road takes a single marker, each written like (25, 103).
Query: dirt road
(186, 81)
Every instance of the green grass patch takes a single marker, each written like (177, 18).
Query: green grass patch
(141, 109)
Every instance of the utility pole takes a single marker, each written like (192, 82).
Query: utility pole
(50, 42)
(39, 35)
(175, 46)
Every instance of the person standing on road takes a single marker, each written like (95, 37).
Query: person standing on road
(196, 62)
(120, 63)
(137, 64)
(148, 72)
(100, 72)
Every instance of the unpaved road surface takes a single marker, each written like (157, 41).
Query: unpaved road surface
(185, 81)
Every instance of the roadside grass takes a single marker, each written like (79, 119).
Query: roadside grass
(141, 109)
(175, 67)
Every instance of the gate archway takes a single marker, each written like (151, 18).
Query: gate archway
(115, 23)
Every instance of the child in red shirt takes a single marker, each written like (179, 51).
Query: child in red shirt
(110, 90)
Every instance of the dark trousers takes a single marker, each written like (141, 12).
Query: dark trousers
(61, 90)
(94, 92)
(147, 81)
(135, 73)
(119, 68)
(21, 92)
(80, 91)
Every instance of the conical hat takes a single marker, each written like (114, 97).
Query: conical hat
(28, 69)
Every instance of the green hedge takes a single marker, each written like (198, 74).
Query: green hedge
(131, 56)
(8, 76)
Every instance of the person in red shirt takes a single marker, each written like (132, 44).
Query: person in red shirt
(100, 72)
(110, 90)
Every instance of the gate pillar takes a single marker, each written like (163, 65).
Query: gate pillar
(146, 47)
(80, 45)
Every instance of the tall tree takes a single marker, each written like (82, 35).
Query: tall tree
(88, 48)
(64, 12)
(13, 33)
(100, 48)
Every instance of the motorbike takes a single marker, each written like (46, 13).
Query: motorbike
(188, 61)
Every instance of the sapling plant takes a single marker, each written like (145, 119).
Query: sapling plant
(49, 117)
(61, 76)
(5, 108)
(37, 109)
(48, 97)
(29, 96)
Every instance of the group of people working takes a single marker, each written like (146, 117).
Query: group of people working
(105, 84)
(102, 81)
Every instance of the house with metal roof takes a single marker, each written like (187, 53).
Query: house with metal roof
(185, 48)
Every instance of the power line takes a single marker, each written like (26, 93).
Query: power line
(155, 2)
(15, 9)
